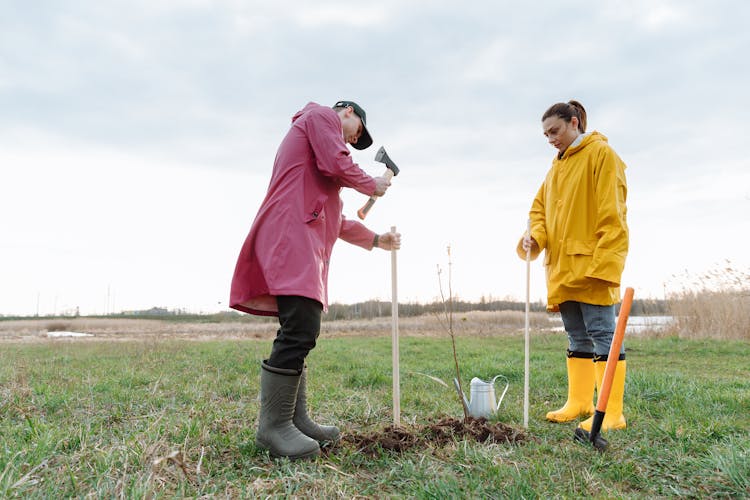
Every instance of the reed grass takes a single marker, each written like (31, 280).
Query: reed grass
(713, 304)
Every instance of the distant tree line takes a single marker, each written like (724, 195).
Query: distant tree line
(377, 308)
(649, 307)
(373, 309)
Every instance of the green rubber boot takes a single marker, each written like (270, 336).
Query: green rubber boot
(276, 432)
(303, 422)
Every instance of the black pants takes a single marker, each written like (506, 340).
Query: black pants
(299, 318)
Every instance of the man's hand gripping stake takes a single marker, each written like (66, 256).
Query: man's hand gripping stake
(391, 170)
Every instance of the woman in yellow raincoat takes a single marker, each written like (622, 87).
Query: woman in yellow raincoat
(579, 218)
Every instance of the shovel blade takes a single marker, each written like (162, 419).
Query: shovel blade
(596, 440)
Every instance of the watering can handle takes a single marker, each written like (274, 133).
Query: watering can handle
(461, 395)
(507, 384)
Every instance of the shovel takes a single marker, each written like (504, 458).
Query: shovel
(581, 435)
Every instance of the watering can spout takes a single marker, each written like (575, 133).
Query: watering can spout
(461, 396)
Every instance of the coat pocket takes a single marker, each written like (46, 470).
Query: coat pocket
(316, 211)
(580, 247)
(577, 258)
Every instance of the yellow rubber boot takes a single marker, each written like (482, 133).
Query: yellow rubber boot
(613, 418)
(580, 390)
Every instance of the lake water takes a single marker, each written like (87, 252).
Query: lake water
(636, 324)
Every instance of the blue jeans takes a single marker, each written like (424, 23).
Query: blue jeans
(590, 328)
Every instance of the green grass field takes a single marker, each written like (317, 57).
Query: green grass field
(177, 418)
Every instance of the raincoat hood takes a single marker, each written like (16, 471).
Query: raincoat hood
(581, 142)
(308, 107)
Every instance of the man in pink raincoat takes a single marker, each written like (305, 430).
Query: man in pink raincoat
(282, 269)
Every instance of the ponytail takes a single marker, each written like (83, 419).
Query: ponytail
(566, 111)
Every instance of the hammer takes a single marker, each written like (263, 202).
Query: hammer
(391, 170)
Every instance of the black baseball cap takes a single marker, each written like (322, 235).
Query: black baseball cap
(365, 140)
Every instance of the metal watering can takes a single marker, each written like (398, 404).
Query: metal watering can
(482, 402)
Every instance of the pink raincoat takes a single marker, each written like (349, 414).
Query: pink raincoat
(289, 246)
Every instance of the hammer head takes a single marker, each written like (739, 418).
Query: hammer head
(383, 157)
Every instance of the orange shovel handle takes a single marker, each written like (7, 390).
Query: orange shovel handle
(614, 350)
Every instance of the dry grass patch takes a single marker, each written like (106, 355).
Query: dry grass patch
(715, 304)
(481, 323)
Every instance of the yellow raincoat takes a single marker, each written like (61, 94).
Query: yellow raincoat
(579, 217)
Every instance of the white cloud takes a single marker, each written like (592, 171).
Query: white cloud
(340, 15)
(490, 64)
(652, 15)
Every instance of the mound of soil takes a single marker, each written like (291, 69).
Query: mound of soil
(445, 431)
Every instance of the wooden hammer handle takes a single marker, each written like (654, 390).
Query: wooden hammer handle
(362, 212)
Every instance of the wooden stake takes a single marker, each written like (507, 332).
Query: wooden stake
(394, 338)
(526, 335)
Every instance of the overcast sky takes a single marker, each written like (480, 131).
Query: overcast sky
(137, 138)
